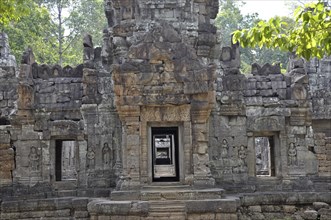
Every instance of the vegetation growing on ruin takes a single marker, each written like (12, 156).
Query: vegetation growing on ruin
(54, 29)
(230, 19)
(309, 37)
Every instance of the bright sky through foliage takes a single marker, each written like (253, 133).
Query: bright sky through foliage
(266, 8)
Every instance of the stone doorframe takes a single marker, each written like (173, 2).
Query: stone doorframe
(80, 151)
(137, 141)
(171, 116)
(148, 146)
(277, 151)
(52, 157)
(193, 131)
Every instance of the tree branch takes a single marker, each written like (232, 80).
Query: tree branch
(69, 43)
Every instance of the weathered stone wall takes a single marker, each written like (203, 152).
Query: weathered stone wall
(8, 82)
(67, 105)
(323, 152)
(320, 87)
(163, 74)
(320, 91)
(58, 91)
(58, 208)
(130, 20)
(293, 205)
(8, 108)
(7, 157)
(8, 93)
(6, 58)
(44, 106)
(161, 65)
(273, 106)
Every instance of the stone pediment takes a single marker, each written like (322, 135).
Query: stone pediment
(63, 127)
(270, 123)
(163, 67)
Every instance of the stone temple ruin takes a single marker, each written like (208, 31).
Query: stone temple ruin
(159, 123)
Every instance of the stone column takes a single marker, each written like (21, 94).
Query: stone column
(130, 117)
(251, 155)
(6, 158)
(202, 174)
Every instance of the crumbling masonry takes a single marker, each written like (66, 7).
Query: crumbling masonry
(159, 123)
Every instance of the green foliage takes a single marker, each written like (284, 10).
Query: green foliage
(33, 30)
(13, 10)
(54, 29)
(74, 19)
(230, 19)
(309, 37)
(86, 18)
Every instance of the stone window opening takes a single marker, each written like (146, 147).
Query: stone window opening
(165, 158)
(264, 156)
(13, 147)
(65, 160)
(312, 149)
(4, 121)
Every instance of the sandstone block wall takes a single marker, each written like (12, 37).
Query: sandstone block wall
(60, 208)
(8, 108)
(164, 48)
(45, 106)
(70, 132)
(285, 206)
(320, 87)
(277, 107)
(7, 159)
(320, 93)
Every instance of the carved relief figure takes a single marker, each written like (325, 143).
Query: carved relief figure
(242, 154)
(34, 159)
(292, 155)
(132, 162)
(201, 163)
(224, 149)
(90, 158)
(106, 155)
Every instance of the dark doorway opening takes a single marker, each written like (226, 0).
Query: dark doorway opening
(65, 160)
(165, 165)
(265, 159)
(4, 121)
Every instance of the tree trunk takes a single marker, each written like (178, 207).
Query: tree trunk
(60, 37)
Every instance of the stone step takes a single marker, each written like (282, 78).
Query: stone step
(167, 209)
(162, 194)
(181, 194)
(66, 193)
(66, 185)
(167, 214)
(166, 218)
(167, 203)
(166, 187)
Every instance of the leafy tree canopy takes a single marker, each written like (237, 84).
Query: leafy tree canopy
(32, 30)
(309, 37)
(54, 29)
(73, 19)
(12, 10)
(230, 19)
